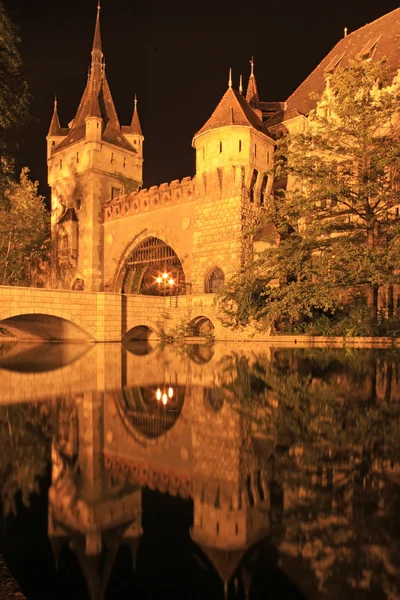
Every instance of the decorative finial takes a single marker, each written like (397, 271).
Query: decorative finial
(135, 101)
(230, 79)
(345, 32)
(98, 5)
(55, 102)
(240, 85)
(103, 65)
(252, 66)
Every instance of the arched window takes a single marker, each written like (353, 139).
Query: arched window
(215, 281)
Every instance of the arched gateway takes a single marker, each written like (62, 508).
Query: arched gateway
(153, 268)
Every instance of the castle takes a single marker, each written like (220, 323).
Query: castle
(187, 236)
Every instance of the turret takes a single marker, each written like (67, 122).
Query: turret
(88, 164)
(233, 154)
(133, 132)
(56, 134)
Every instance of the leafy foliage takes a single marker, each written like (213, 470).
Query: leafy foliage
(335, 208)
(24, 233)
(335, 419)
(25, 452)
(13, 90)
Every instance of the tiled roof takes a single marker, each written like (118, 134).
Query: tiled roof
(55, 128)
(233, 109)
(381, 38)
(225, 562)
(135, 123)
(96, 101)
(69, 215)
(252, 93)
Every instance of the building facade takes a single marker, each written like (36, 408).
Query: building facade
(188, 236)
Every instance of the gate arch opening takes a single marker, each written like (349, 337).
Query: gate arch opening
(202, 326)
(152, 411)
(153, 268)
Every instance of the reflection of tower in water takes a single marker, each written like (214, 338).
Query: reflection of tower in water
(89, 510)
(230, 491)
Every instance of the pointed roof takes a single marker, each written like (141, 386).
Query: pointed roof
(97, 102)
(225, 562)
(252, 93)
(55, 128)
(135, 123)
(69, 215)
(97, 37)
(233, 109)
(376, 40)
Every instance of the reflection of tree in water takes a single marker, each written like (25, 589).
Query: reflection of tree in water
(335, 418)
(25, 452)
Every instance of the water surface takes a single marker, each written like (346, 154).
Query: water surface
(234, 470)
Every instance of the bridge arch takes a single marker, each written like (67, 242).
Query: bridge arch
(25, 322)
(141, 329)
(167, 238)
(202, 325)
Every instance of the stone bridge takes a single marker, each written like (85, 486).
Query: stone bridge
(37, 313)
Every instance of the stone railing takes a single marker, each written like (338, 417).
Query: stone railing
(155, 198)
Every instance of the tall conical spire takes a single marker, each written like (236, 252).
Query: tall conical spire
(252, 93)
(97, 54)
(135, 123)
(55, 127)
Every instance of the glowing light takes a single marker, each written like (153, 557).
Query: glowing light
(158, 394)
(170, 392)
(159, 280)
(164, 399)
(165, 275)
(171, 282)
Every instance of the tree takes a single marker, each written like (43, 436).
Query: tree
(24, 233)
(334, 416)
(336, 204)
(13, 89)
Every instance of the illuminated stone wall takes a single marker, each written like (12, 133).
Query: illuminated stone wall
(82, 177)
(224, 213)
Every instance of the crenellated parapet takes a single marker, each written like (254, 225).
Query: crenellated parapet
(154, 198)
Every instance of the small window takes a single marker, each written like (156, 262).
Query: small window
(217, 528)
(253, 184)
(215, 281)
(204, 152)
(112, 157)
(134, 141)
(97, 125)
(53, 143)
(255, 149)
(77, 157)
(268, 157)
(60, 163)
(115, 192)
(263, 189)
(240, 145)
(64, 241)
(220, 147)
(124, 162)
(139, 142)
(78, 204)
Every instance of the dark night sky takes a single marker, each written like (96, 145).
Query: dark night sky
(176, 57)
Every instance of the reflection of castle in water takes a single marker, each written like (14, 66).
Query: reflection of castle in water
(170, 422)
(184, 440)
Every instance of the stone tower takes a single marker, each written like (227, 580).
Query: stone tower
(91, 161)
(233, 154)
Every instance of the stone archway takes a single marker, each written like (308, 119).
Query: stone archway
(153, 268)
(166, 237)
(202, 326)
